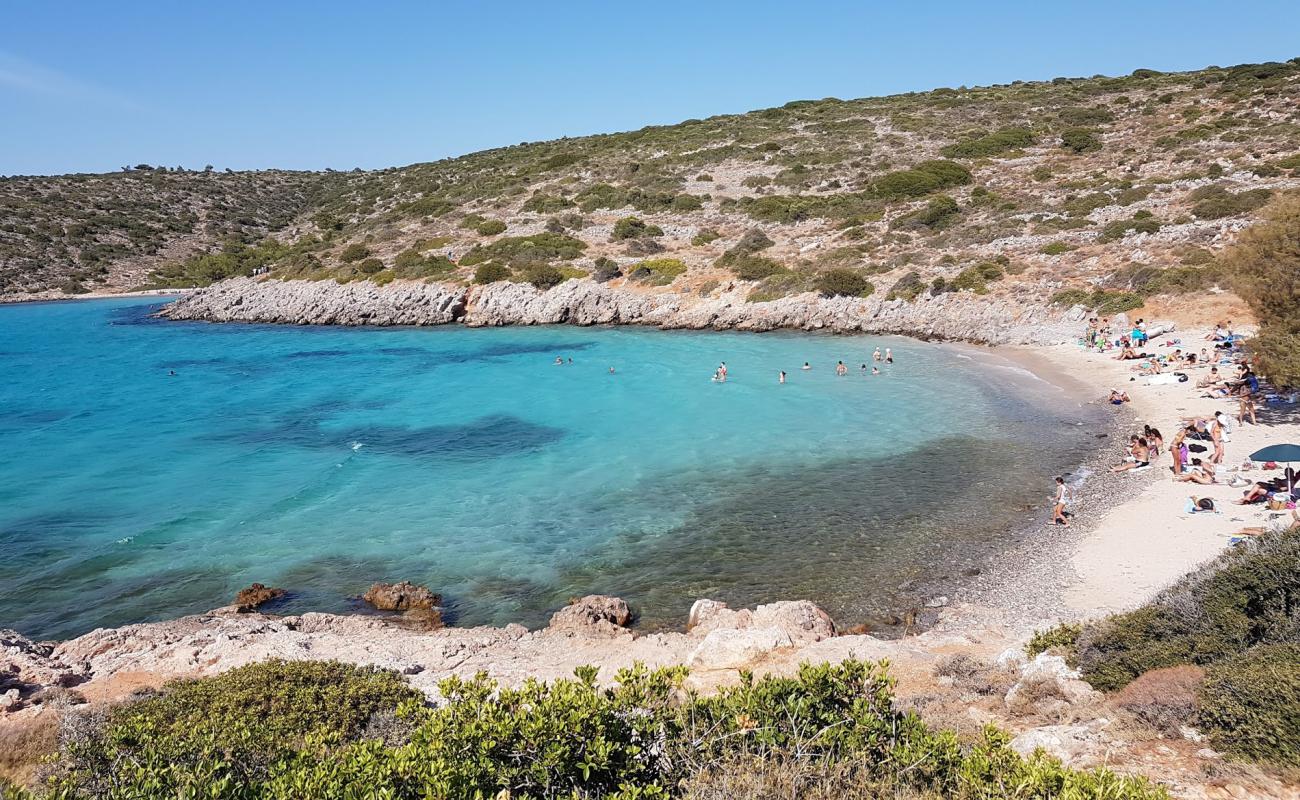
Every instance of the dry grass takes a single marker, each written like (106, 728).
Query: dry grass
(25, 743)
(1162, 699)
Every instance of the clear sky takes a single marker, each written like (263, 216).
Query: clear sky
(92, 86)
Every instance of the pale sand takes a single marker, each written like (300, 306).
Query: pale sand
(1146, 543)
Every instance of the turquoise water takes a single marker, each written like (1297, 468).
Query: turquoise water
(322, 459)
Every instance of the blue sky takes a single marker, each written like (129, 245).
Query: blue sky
(92, 86)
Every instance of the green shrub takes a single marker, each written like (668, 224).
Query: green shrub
(1120, 228)
(754, 268)
(990, 144)
(1080, 140)
(1064, 635)
(601, 195)
(491, 272)
(634, 228)
(643, 738)
(541, 203)
(523, 251)
(1072, 297)
(1216, 202)
(606, 269)
(1055, 248)
(658, 271)
(544, 276)
(977, 278)
(936, 214)
(924, 178)
(1118, 302)
(427, 207)
(370, 266)
(1250, 705)
(354, 252)
(1263, 264)
(490, 227)
(1243, 598)
(229, 730)
(705, 236)
(907, 287)
(686, 202)
(843, 283)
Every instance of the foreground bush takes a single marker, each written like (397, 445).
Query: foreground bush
(1245, 597)
(833, 729)
(1250, 705)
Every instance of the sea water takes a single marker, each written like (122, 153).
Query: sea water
(150, 468)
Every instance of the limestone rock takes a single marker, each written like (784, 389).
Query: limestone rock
(595, 613)
(708, 615)
(1049, 687)
(401, 596)
(726, 648)
(256, 595)
(1067, 742)
(801, 620)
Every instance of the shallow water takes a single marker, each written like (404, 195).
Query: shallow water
(322, 459)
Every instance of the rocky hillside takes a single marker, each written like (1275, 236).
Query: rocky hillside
(1105, 189)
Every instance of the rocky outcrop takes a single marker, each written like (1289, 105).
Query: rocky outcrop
(321, 303)
(593, 614)
(401, 596)
(30, 672)
(256, 595)
(952, 316)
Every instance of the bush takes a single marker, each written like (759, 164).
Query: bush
(754, 268)
(936, 213)
(705, 236)
(543, 276)
(490, 227)
(371, 266)
(606, 270)
(354, 252)
(843, 283)
(990, 144)
(1055, 248)
(1163, 699)
(1216, 202)
(643, 738)
(977, 278)
(975, 675)
(541, 203)
(491, 273)
(1250, 705)
(1120, 228)
(230, 730)
(924, 178)
(1243, 598)
(524, 251)
(1063, 636)
(907, 287)
(1080, 140)
(1263, 264)
(634, 228)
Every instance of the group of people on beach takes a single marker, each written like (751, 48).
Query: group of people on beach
(1197, 449)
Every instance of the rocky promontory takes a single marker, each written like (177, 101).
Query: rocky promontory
(955, 317)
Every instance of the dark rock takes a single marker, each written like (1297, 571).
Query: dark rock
(251, 597)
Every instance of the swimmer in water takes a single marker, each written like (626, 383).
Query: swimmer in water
(875, 370)
(722, 368)
(781, 378)
(889, 355)
(876, 355)
(840, 369)
(559, 362)
(611, 370)
(171, 372)
(806, 365)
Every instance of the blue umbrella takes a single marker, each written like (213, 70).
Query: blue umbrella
(1277, 452)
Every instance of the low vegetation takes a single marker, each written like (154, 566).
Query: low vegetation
(319, 729)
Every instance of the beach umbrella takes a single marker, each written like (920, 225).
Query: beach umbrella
(1277, 452)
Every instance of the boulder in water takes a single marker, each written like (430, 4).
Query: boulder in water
(250, 597)
(401, 596)
(595, 613)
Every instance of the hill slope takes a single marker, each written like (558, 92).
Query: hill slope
(1018, 190)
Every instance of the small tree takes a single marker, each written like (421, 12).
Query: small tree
(353, 253)
(843, 283)
(1263, 266)
(491, 273)
(1080, 140)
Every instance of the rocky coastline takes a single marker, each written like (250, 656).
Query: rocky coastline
(962, 317)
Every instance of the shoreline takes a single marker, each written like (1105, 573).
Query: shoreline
(74, 298)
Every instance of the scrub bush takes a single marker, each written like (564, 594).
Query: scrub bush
(547, 203)
(543, 276)
(1250, 704)
(1080, 140)
(1163, 699)
(490, 227)
(491, 273)
(634, 228)
(1243, 598)
(1216, 202)
(1063, 636)
(843, 283)
(524, 251)
(936, 214)
(907, 287)
(705, 236)
(1055, 248)
(990, 144)
(371, 266)
(925, 177)
(354, 252)
(1262, 265)
(643, 738)
(754, 268)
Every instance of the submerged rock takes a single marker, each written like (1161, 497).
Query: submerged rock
(401, 596)
(255, 595)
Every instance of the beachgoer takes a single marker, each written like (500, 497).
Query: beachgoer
(1117, 398)
(889, 355)
(840, 369)
(559, 362)
(781, 378)
(723, 369)
(1141, 455)
(1154, 439)
(570, 359)
(1201, 472)
(876, 355)
(875, 370)
(806, 365)
(1060, 503)
(611, 370)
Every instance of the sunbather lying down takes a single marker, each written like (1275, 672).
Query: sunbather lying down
(1278, 525)
(1201, 472)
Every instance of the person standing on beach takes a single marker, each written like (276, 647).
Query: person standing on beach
(1060, 503)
